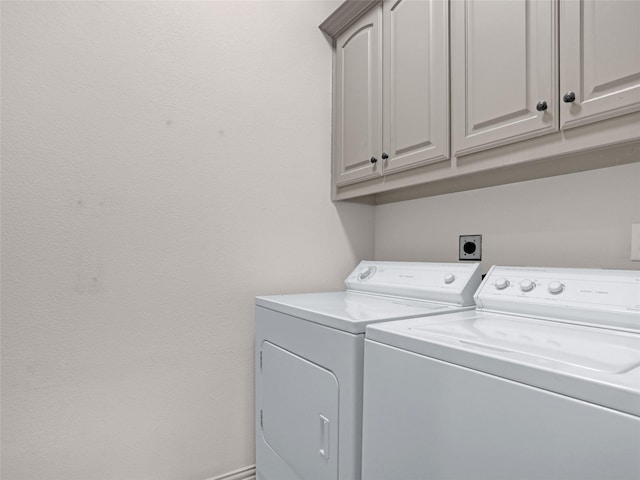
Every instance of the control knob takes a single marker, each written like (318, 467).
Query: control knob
(449, 278)
(527, 285)
(555, 288)
(366, 273)
(502, 283)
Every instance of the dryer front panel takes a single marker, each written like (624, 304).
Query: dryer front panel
(299, 412)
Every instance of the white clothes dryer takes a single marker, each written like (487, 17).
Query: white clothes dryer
(541, 381)
(309, 358)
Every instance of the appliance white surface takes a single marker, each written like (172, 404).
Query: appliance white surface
(350, 311)
(288, 428)
(609, 298)
(379, 291)
(550, 358)
(446, 282)
(594, 364)
(309, 362)
(440, 420)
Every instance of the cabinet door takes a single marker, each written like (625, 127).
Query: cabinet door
(503, 65)
(416, 83)
(358, 107)
(299, 412)
(600, 59)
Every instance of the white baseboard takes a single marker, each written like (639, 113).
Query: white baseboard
(246, 473)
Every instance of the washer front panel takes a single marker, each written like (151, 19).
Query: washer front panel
(439, 420)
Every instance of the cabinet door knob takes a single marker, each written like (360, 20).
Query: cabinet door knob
(384, 156)
(374, 160)
(569, 97)
(541, 106)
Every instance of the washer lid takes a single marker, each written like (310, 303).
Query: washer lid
(351, 311)
(598, 365)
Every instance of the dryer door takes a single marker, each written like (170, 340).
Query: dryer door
(299, 412)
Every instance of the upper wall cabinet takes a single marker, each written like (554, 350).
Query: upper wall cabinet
(391, 90)
(505, 68)
(415, 83)
(600, 60)
(537, 88)
(358, 107)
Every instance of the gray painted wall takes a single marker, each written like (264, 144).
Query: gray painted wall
(577, 220)
(162, 163)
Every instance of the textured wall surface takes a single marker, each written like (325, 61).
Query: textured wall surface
(162, 163)
(577, 220)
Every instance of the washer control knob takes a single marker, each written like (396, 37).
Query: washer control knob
(527, 285)
(366, 273)
(502, 283)
(556, 288)
(449, 278)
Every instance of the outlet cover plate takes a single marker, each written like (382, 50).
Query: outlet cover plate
(470, 247)
(635, 242)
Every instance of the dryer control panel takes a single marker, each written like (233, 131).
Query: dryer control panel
(608, 297)
(444, 282)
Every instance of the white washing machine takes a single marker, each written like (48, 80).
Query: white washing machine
(309, 357)
(541, 381)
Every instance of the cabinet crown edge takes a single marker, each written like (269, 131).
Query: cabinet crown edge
(345, 15)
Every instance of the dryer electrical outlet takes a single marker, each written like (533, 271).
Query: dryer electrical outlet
(470, 247)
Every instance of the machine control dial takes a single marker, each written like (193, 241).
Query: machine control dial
(555, 288)
(527, 285)
(366, 273)
(449, 278)
(502, 283)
